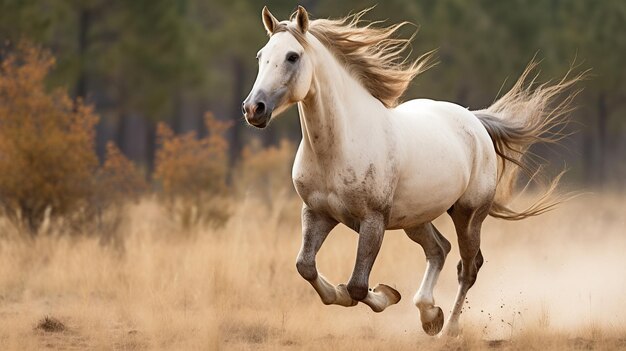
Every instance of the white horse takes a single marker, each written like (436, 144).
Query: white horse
(372, 164)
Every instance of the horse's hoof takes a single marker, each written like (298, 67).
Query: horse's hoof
(343, 297)
(433, 327)
(392, 295)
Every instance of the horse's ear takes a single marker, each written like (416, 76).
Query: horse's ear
(302, 19)
(269, 21)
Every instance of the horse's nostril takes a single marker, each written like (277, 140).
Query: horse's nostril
(243, 108)
(260, 107)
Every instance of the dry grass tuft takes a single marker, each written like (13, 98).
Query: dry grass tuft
(50, 324)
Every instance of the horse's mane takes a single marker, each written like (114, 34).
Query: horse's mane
(371, 54)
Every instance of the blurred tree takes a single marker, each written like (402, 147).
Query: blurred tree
(237, 31)
(192, 173)
(153, 62)
(131, 58)
(595, 33)
(118, 183)
(265, 172)
(46, 143)
(143, 61)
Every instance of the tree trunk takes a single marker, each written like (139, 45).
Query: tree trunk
(602, 137)
(150, 147)
(237, 98)
(589, 171)
(310, 5)
(84, 25)
(269, 136)
(120, 132)
(177, 116)
(462, 94)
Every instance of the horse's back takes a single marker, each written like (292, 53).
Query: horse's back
(444, 154)
(452, 124)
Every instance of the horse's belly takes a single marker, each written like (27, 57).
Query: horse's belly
(423, 195)
(410, 212)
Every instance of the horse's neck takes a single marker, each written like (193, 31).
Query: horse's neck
(337, 109)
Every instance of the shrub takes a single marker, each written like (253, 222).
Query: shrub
(47, 160)
(192, 172)
(118, 179)
(266, 172)
(118, 182)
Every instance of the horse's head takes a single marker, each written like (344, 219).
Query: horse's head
(285, 70)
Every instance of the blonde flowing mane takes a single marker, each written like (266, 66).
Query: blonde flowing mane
(371, 54)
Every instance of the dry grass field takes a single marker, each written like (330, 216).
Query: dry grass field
(549, 283)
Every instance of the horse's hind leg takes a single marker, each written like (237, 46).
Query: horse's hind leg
(315, 229)
(436, 248)
(467, 222)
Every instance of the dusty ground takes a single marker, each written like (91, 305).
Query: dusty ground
(554, 282)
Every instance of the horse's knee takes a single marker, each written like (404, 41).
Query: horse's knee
(469, 274)
(357, 291)
(466, 277)
(479, 260)
(306, 269)
(445, 245)
(435, 245)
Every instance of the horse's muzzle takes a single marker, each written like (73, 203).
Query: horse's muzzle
(257, 112)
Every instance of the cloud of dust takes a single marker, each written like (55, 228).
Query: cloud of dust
(565, 271)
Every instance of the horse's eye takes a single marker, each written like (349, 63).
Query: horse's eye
(293, 57)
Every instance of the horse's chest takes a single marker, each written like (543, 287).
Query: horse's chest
(326, 198)
(343, 193)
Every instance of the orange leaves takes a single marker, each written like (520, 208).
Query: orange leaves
(266, 172)
(193, 172)
(187, 166)
(119, 180)
(49, 168)
(46, 141)
(24, 72)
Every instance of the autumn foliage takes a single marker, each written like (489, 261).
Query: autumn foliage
(46, 142)
(265, 172)
(118, 182)
(192, 172)
(49, 170)
(48, 165)
(119, 179)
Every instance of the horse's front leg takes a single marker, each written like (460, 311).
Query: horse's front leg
(371, 234)
(315, 229)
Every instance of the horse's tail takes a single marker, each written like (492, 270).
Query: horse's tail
(527, 114)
